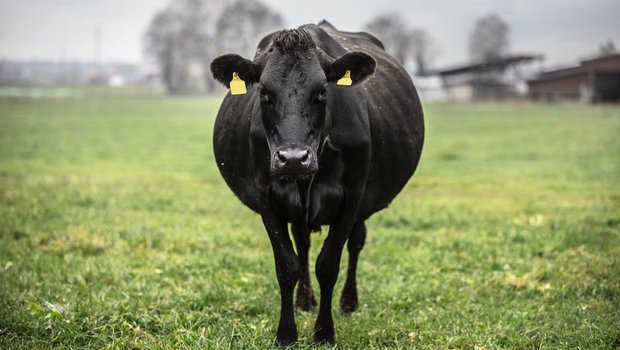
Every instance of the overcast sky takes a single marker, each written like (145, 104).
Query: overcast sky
(561, 30)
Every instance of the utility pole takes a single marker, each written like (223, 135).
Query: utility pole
(97, 58)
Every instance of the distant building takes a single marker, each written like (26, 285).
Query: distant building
(499, 79)
(429, 88)
(594, 80)
(50, 73)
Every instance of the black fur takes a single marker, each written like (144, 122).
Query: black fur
(360, 64)
(363, 143)
(292, 40)
(223, 67)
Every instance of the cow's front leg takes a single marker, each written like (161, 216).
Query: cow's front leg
(287, 271)
(328, 261)
(327, 267)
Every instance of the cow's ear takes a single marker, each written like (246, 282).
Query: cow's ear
(360, 65)
(224, 66)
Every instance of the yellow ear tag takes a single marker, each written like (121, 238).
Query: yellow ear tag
(346, 79)
(237, 86)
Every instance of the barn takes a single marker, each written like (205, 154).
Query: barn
(594, 80)
(497, 79)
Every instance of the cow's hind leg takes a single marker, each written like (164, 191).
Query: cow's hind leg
(348, 299)
(305, 296)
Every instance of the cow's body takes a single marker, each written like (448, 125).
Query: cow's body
(384, 112)
(370, 148)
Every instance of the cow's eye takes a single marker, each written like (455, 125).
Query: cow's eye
(264, 96)
(322, 96)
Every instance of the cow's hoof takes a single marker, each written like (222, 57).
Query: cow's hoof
(348, 303)
(285, 341)
(305, 302)
(325, 336)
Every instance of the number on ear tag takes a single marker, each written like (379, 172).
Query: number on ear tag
(346, 79)
(237, 86)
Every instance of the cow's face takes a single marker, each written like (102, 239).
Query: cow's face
(293, 96)
(292, 79)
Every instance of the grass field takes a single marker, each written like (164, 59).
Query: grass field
(116, 231)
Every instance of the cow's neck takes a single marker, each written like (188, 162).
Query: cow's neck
(294, 198)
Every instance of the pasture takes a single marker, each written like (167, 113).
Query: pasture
(117, 232)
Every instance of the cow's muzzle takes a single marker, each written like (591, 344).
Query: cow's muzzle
(293, 162)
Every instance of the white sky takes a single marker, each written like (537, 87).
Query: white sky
(561, 30)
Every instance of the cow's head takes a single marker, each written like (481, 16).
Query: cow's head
(292, 79)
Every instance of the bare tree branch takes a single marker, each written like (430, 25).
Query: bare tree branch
(187, 34)
(392, 32)
(411, 47)
(489, 38)
(424, 50)
(607, 48)
(242, 24)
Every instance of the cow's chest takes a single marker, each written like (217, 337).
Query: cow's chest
(316, 204)
(326, 201)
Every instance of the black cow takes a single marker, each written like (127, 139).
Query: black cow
(302, 148)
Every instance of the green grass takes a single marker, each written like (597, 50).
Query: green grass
(116, 231)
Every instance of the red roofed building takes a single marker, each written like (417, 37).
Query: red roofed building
(595, 80)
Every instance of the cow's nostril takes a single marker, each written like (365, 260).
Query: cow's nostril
(281, 157)
(295, 161)
(304, 156)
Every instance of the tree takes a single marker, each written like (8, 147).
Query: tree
(411, 47)
(242, 24)
(393, 33)
(489, 38)
(423, 48)
(160, 43)
(186, 35)
(177, 39)
(607, 48)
